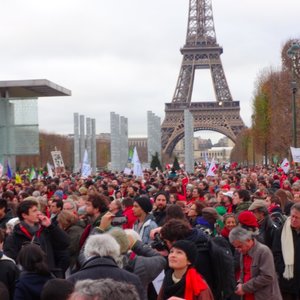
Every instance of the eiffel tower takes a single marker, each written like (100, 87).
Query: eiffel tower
(201, 51)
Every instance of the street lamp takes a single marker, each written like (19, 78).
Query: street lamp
(292, 53)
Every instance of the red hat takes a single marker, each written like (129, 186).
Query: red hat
(247, 218)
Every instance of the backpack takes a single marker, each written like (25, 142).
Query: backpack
(223, 268)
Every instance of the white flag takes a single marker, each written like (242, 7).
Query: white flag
(295, 154)
(285, 165)
(137, 166)
(212, 169)
(86, 169)
(50, 172)
(1, 170)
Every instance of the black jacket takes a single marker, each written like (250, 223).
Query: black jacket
(105, 267)
(289, 286)
(9, 215)
(53, 241)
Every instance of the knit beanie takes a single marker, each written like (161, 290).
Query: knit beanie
(144, 203)
(189, 248)
(248, 219)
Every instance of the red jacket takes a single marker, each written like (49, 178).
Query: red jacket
(131, 218)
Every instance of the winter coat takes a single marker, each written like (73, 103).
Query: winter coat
(263, 282)
(53, 241)
(147, 264)
(144, 231)
(105, 267)
(9, 273)
(159, 216)
(9, 215)
(267, 231)
(29, 286)
(131, 218)
(288, 286)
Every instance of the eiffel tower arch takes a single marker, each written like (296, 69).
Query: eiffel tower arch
(201, 51)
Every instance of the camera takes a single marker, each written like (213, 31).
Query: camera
(158, 243)
(118, 221)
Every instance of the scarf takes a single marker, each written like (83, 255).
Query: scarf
(287, 245)
(194, 284)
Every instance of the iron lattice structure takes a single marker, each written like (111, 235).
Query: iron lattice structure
(201, 51)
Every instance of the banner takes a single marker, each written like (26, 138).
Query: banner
(137, 166)
(50, 172)
(295, 154)
(57, 159)
(285, 165)
(212, 169)
(86, 169)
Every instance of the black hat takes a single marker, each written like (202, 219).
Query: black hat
(189, 249)
(144, 203)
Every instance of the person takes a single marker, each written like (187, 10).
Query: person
(127, 205)
(104, 289)
(160, 203)
(69, 222)
(58, 289)
(35, 273)
(195, 211)
(267, 228)
(115, 207)
(181, 279)
(101, 252)
(258, 278)
(36, 227)
(142, 207)
(56, 207)
(9, 272)
(241, 200)
(286, 251)
(96, 207)
(5, 213)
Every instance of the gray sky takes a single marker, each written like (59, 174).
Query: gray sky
(123, 55)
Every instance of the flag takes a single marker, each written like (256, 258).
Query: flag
(32, 174)
(86, 169)
(9, 172)
(295, 154)
(1, 170)
(285, 165)
(137, 166)
(49, 168)
(18, 178)
(130, 154)
(212, 169)
(206, 160)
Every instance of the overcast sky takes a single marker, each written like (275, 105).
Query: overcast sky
(123, 55)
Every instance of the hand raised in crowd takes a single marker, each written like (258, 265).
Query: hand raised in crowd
(106, 221)
(44, 220)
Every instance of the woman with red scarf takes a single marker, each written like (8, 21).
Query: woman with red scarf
(182, 281)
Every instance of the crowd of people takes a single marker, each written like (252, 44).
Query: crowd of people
(166, 235)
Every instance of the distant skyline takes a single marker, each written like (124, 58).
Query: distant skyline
(123, 55)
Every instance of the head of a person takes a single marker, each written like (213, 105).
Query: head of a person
(70, 205)
(229, 221)
(127, 202)
(66, 219)
(96, 204)
(101, 245)
(240, 196)
(33, 259)
(160, 200)
(56, 206)
(295, 216)
(115, 206)
(174, 211)
(241, 239)
(259, 209)
(175, 230)
(142, 206)
(28, 212)
(227, 197)
(248, 221)
(196, 209)
(103, 289)
(58, 289)
(3, 208)
(182, 255)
